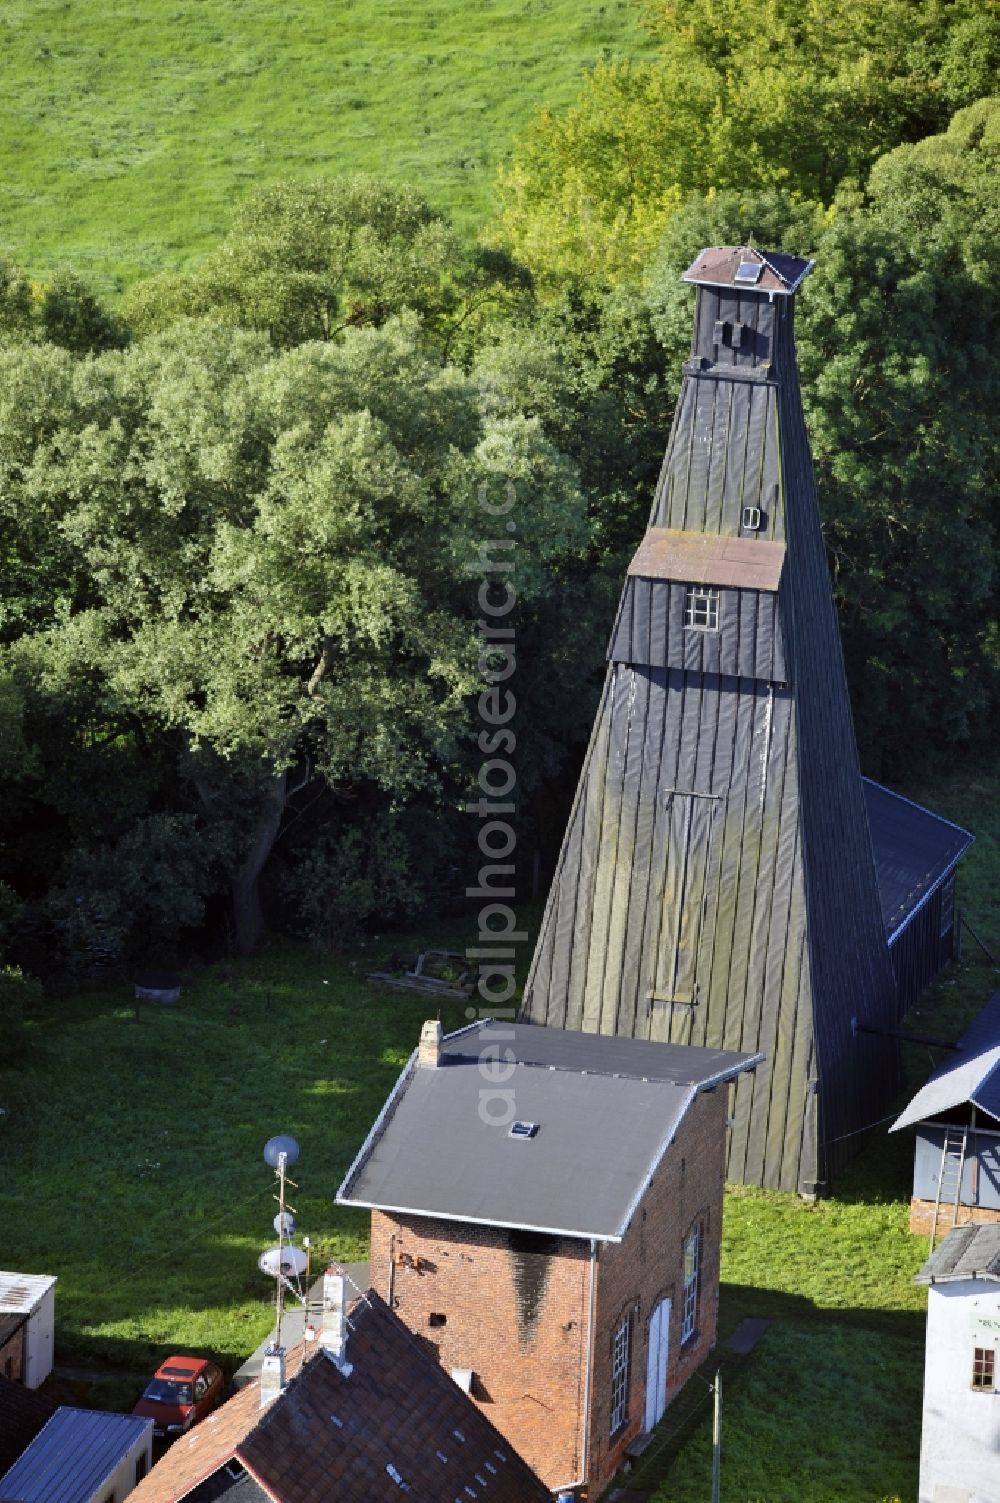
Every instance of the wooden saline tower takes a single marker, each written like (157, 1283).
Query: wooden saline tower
(717, 884)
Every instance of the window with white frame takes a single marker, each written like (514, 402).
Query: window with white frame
(984, 1369)
(619, 1375)
(701, 608)
(689, 1307)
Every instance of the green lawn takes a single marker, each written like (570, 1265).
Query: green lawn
(132, 1168)
(129, 129)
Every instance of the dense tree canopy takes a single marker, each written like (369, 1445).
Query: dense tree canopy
(788, 94)
(260, 572)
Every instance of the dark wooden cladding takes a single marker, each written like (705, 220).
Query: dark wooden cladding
(650, 631)
(717, 884)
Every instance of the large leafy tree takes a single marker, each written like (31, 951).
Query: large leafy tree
(264, 562)
(797, 94)
(308, 260)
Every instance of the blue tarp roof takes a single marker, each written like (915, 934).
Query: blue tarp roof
(915, 851)
(970, 1075)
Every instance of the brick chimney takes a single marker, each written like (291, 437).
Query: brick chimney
(429, 1053)
(333, 1333)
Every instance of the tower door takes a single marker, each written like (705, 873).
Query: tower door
(685, 855)
(656, 1364)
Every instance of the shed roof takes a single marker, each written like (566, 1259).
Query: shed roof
(22, 1293)
(968, 1252)
(337, 1434)
(606, 1110)
(23, 1412)
(72, 1455)
(718, 266)
(915, 851)
(703, 558)
(970, 1075)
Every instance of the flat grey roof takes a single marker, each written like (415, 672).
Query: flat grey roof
(73, 1455)
(968, 1252)
(971, 1074)
(606, 1110)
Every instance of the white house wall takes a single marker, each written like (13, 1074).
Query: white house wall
(39, 1340)
(960, 1440)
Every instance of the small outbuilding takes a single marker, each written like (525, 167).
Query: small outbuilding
(27, 1326)
(956, 1114)
(82, 1456)
(960, 1438)
(547, 1218)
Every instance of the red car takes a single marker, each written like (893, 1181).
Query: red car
(182, 1392)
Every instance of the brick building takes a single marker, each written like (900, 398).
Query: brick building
(546, 1216)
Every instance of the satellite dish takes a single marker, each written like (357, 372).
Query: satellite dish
(286, 1260)
(285, 1224)
(274, 1147)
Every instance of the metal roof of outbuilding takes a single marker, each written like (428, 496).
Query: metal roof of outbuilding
(72, 1456)
(915, 851)
(971, 1074)
(606, 1110)
(968, 1252)
(21, 1293)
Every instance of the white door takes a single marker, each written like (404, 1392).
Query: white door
(656, 1364)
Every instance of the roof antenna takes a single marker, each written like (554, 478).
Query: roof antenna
(285, 1259)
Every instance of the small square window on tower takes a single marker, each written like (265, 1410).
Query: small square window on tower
(701, 608)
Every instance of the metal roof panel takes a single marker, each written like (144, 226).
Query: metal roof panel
(72, 1456)
(915, 851)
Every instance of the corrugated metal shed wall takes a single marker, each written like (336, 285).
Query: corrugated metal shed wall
(716, 885)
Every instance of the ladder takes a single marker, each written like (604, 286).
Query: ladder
(949, 1185)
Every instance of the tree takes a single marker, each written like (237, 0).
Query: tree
(790, 95)
(268, 553)
(306, 261)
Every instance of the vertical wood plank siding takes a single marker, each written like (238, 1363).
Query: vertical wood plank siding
(716, 884)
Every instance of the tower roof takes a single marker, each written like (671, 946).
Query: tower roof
(748, 270)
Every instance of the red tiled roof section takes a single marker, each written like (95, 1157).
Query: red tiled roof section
(702, 558)
(23, 1412)
(332, 1436)
(195, 1456)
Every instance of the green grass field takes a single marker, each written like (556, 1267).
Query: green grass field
(132, 1168)
(129, 129)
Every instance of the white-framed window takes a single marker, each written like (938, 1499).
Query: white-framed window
(619, 1374)
(689, 1308)
(984, 1363)
(701, 608)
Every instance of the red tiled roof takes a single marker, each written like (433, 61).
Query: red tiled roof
(396, 1425)
(23, 1412)
(195, 1456)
